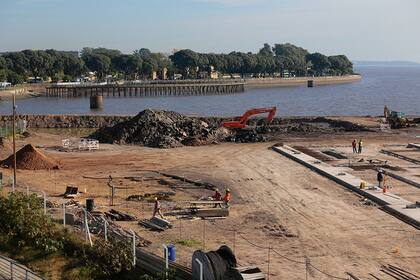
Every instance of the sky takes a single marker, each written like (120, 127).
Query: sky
(383, 30)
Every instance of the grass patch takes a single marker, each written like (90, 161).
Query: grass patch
(188, 242)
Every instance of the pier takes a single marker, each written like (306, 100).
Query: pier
(173, 88)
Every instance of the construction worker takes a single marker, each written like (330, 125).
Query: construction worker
(380, 178)
(217, 196)
(227, 198)
(354, 145)
(360, 146)
(156, 208)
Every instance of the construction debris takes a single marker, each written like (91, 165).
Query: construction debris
(96, 226)
(71, 192)
(161, 129)
(156, 223)
(116, 215)
(150, 196)
(31, 158)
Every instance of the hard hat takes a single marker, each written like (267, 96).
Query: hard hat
(216, 189)
(227, 190)
(380, 170)
(156, 198)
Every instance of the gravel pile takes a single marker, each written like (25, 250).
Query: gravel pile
(161, 129)
(30, 158)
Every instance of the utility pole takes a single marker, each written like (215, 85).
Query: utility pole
(14, 142)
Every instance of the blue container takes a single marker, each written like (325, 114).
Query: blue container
(171, 253)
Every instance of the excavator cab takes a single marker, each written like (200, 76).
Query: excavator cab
(242, 122)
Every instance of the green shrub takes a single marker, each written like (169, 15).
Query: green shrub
(24, 224)
(105, 259)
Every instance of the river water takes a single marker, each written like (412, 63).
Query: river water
(398, 87)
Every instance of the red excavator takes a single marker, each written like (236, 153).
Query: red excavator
(241, 123)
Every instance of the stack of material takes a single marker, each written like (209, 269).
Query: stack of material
(210, 212)
(156, 223)
(161, 129)
(150, 196)
(30, 158)
(222, 265)
(116, 215)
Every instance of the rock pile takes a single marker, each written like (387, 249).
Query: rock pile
(30, 158)
(161, 129)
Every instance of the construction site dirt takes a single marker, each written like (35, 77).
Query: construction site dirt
(282, 215)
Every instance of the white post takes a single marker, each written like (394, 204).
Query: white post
(134, 247)
(201, 268)
(87, 233)
(64, 214)
(105, 228)
(27, 190)
(45, 202)
(166, 260)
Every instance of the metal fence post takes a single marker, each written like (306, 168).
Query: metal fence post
(201, 268)
(11, 270)
(105, 228)
(45, 202)
(166, 260)
(134, 247)
(64, 214)
(87, 233)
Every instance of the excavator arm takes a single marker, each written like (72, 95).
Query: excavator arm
(241, 123)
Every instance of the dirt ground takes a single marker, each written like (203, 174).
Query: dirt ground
(277, 203)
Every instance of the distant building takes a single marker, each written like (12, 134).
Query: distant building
(34, 80)
(5, 84)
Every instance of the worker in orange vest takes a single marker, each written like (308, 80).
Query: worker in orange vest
(227, 197)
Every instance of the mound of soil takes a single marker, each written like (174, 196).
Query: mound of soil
(30, 158)
(161, 129)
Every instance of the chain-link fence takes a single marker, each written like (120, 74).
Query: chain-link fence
(6, 129)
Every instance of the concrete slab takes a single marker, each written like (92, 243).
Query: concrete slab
(392, 203)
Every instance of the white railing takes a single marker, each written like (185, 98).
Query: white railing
(9, 269)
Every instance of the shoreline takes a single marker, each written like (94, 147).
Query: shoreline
(24, 92)
(256, 83)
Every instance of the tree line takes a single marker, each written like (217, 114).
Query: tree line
(279, 59)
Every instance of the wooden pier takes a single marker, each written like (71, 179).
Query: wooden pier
(146, 89)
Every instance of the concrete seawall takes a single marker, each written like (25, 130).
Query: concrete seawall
(301, 81)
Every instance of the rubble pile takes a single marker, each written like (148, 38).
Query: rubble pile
(161, 129)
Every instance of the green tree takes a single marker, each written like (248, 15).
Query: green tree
(320, 63)
(99, 63)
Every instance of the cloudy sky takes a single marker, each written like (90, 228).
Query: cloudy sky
(361, 29)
